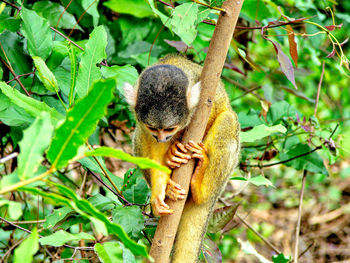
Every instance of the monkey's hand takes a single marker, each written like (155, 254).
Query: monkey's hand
(177, 154)
(174, 191)
(159, 207)
(200, 153)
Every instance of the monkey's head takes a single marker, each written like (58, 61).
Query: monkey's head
(164, 100)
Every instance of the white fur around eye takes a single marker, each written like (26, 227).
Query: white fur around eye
(193, 94)
(129, 94)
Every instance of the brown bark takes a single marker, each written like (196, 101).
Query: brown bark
(210, 79)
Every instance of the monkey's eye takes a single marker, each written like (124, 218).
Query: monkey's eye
(152, 128)
(170, 129)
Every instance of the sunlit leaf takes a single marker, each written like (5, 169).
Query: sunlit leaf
(61, 237)
(27, 249)
(261, 131)
(46, 76)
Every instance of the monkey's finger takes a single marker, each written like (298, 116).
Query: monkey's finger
(175, 151)
(181, 147)
(166, 212)
(170, 164)
(198, 156)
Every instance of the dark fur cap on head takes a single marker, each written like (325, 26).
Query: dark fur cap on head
(161, 98)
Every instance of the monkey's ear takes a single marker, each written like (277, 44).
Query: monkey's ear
(193, 94)
(129, 94)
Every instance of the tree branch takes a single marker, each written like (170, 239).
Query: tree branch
(210, 79)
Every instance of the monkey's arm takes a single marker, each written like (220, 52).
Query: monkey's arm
(216, 158)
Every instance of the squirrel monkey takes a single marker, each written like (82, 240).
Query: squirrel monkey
(164, 100)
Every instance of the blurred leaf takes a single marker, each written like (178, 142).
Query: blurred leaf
(101, 202)
(30, 105)
(211, 251)
(130, 218)
(109, 252)
(37, 32)
(94, 53)
(247, 248)
(261, 131)
(57, 216)
(135, 188)
(144, 163)
(73, 72)
(14, 209)
(221, 217)
(260, 180)
(280, 258)
(61, 237)
(53, 12)
(9, 23)
(250, 119)
(90, 6)
(138, 8)
(165, 19)
(183, 22)
(35, 141)
(80, 123)
(311, 162)
(27, 249)
(279, 111)
(46, 76)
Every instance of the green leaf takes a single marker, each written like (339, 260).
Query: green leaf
(130, 218)
(94, 53)
(57, 216)
(138, 8)
(261, 131)
(122, 74)
(101, 202)
(80, 123)
(30, 105)
(135, 188)
(73, 72)
(85, 208)
(184, 22)
(61, 237)
(280, 258)
(311, 162)
(260, 180)
(54, 12)
(109, 252)
(14, 209)
(27, 249)
(280, 110)
(144, 163)
(46, 76)
(91, 8)
(37, 32)
(9, 23)
(35, 141)
(165, 19)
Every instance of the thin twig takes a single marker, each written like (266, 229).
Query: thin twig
(67, 38)
(82, 15)
(240, 86)
(319, 89)
(211, 7)
(59, 19)
(273, 247)
(28, 231)
(297, 230)
(22, 75)
(9, 157)
(13, 5)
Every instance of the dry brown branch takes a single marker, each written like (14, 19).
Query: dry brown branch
(210, 78)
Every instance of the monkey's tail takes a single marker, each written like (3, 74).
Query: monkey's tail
(192, 228)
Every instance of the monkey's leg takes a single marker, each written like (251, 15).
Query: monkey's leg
(176, 155)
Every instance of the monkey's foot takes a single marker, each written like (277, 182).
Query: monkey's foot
(174, 191)
(177, 154)
(159, 207)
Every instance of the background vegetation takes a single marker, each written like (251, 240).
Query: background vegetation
(63, 64)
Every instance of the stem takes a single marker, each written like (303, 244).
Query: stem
(211, 7)
(319, 89)
(297, 230)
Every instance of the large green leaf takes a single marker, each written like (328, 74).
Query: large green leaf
(80, 123)
(144, 163)
(184, 22)
(35, 141)
(27, 249)
(122, 74)
(30, 105)
(91, 8)
(46, 76)
(37, 32)
(261, 131)
(61, 237)
(9, 23)
(109, 252)
(130, 218)
(94, 53)
(54, 12)
(138, 8)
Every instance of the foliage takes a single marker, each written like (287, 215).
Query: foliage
(63, 65)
